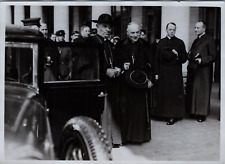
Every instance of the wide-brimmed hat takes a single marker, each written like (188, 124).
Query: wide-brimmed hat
(31, 21)
(60, 33)
(104, 18)
(168, 57)
(137, 78)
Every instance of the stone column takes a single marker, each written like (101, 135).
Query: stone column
(61, 20)
(97, 11)
(36, 12)
(19, 14)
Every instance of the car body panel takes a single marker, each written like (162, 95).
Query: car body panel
(27, 129)
(64, 99)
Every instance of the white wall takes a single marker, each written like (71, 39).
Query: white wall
(36, 12)
(19, 15)
(180, 16)
(61, 20)
(97, 11)
(8, 15)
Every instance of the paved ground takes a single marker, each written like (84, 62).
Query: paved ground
(187, 140)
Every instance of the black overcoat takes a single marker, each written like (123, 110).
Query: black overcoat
(85, 61)
(61, 63)
(170, 95)
(199, 78)
(110, 118)
(135, 122)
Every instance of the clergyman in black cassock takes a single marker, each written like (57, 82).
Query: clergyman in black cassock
(169, 57)
(109, 71)
(200, 70)
(133, 53)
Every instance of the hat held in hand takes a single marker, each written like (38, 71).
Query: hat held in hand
(168, 57)
(137, 78)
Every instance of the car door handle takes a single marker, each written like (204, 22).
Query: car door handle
(102, 94)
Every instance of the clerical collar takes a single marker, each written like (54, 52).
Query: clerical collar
(201, 35)
(131, 41)
(169, 37)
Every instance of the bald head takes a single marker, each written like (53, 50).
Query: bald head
(133, 31)
(200, 28)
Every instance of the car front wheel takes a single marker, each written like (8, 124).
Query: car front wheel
(84, 139)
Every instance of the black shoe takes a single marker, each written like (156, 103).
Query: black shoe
(201, 118)
(116, 145)
(171, 121)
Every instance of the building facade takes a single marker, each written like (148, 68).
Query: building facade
(153, 20)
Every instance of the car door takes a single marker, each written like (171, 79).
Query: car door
(77, 93)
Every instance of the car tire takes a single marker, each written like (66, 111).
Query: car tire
(84, 139)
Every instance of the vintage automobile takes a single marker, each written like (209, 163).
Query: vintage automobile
(27, 129)
(49, 118)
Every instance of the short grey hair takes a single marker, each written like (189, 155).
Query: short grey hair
(132, 24)
(84, 26)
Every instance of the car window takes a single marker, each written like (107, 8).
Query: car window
(71, 63)
(19, 59)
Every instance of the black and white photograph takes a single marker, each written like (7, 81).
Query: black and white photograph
(112, 81)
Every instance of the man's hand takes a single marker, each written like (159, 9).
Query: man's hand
(70, 75)
(111, 72)
(199, 60)
(175, 52)
(149, 84)
(126, 66)
(197, 55)
(118, 71)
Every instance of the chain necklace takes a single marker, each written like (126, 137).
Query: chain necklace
(109, 60)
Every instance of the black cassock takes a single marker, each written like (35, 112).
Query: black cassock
(199, 79)
(133, 104)
(170, 91)
(110, 116)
